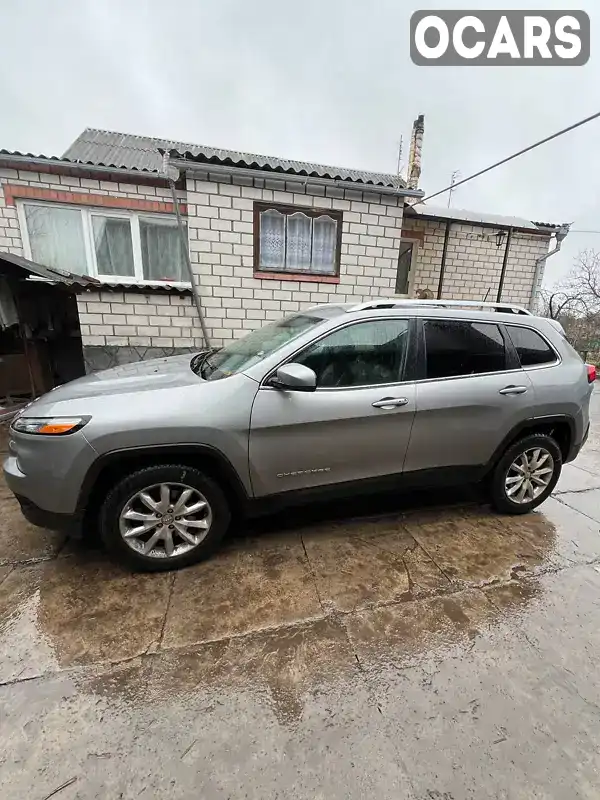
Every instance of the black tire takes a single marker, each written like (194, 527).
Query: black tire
(499, 498)
(140, 480)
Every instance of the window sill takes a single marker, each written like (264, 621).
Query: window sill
(296, 276)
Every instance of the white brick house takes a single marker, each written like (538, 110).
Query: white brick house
(266, 237)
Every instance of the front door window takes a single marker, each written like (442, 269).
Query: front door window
(365, 354)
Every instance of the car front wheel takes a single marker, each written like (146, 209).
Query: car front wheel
(526, 474)
(164, 517)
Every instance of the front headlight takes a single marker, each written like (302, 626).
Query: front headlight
(49, 426)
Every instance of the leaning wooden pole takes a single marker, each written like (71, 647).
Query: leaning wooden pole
(186, 249)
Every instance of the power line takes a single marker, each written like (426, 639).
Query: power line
(510, 158)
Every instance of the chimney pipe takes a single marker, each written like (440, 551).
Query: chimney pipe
(414, 156)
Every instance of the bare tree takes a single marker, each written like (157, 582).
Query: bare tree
(557, 302)
(575, 302)
(585, 278)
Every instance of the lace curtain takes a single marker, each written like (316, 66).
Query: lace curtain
(297, 242)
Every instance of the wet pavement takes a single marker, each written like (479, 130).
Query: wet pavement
(427, 652)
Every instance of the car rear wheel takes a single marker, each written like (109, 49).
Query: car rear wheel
(526, 474)
(164, 517)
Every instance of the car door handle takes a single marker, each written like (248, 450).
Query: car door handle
(513, 390)
(390, 402)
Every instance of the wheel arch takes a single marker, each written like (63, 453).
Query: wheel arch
(560, 427)
(111, 467)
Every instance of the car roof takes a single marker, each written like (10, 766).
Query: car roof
(469, 310)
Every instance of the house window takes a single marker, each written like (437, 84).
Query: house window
(139, 248)
(296, 240)
(56, 237)
(406, 257)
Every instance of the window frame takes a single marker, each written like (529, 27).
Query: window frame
(288, 210)
(407, 373)
(557, 357)
(416, 243)
(86, 214)
(512, 361)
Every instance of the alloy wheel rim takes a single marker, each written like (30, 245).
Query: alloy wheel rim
(165, 520)
(529, 475)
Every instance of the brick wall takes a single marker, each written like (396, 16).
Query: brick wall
(235, 298)
(112, 317)
(138, 319)
(221, 245)
(10, 233)
(473, 261)
(524, 251)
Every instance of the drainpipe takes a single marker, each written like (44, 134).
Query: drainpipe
(560, 234)
(168, 174)
(443, 263)
(504, 265)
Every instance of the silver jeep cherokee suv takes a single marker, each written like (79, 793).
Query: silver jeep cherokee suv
(333, 399)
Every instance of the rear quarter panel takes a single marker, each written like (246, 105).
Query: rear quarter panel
(562, 388)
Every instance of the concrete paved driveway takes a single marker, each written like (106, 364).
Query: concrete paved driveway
(428, 653)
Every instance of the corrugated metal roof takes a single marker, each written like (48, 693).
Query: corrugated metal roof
(463, 215)
(142, 287)
(143, 153)
(63, 160)
(48, 273)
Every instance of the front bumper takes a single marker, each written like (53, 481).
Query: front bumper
(67, 523)
(19, 484)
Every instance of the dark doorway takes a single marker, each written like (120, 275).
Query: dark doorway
(43, 348)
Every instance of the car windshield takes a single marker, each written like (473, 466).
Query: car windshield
(243, 353)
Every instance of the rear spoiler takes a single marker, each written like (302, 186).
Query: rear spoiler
(556, 324)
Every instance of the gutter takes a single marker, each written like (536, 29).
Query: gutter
(561, 234)
(196, 166)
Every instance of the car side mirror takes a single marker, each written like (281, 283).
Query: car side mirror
(295, 377)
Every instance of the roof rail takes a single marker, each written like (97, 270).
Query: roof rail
(391, 302)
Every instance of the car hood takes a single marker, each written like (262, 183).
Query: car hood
(143, 376)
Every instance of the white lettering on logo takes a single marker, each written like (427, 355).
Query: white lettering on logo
(537, 32)
(457, 37)
(440, 26)
(503, 41)
(573, 39)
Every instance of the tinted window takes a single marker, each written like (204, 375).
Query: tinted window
(531, 348)
(463, 348)
(364, 354)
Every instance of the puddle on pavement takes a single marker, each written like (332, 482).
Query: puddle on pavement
(80, 609)
(288, 615)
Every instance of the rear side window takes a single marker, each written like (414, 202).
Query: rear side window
(454, 348)
(531, 348)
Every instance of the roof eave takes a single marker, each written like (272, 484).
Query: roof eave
(541, 228)
(196, 165)
(48, 273)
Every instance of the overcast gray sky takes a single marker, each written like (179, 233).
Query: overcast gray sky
(323, 80)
